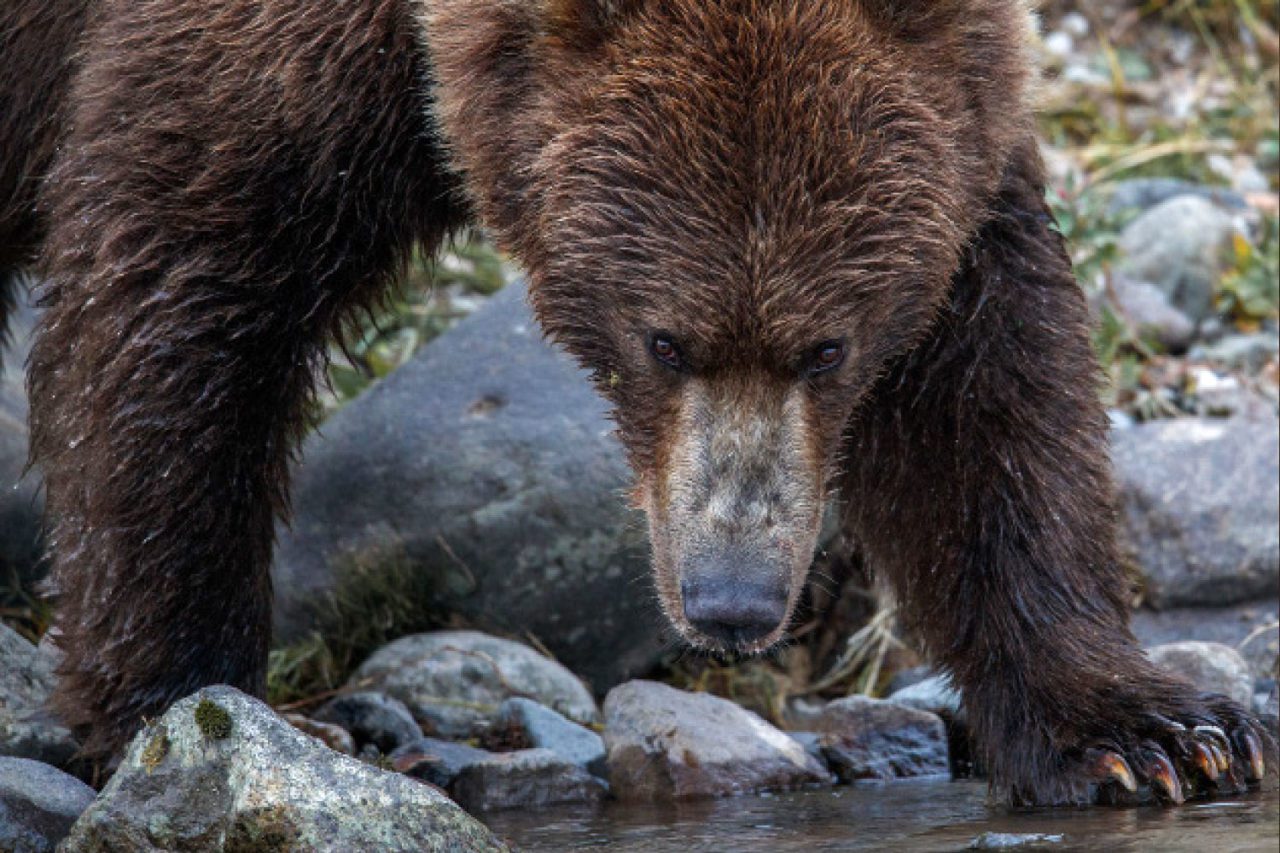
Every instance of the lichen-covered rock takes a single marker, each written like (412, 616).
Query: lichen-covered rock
(453, 680)
(526, 778)
(1212, 667)
(27, 730)
(38, 805)
(221, 771)
(866, 738)
(1198, 499)
(542, 728)
(372, 718)
(668, 744)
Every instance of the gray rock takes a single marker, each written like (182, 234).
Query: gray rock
(1241, 351)
(21, 499)
(38, 805)
(436, 761)
(333, 736)
(1139, 194)
(935, 694)
(1212, 667)
(1247, 628)
(543, 728)
(1147, 308)
(372, 718)
(812, 743)
(451, 681)
(482, 479)
(865, 738)
(27, 730)
(221, 771)
(527, 778)
(1198, 499)
(667, 744)
(1180, 247)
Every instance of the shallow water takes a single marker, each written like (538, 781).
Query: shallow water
(924, 816)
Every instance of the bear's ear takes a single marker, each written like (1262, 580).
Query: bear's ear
(587, 23)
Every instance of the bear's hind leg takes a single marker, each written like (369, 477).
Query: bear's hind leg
(214, 216)
(978, 481)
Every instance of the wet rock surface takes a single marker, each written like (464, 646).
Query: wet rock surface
(1212, 667)
(481, 479)
(864, 738)
(38, 805)
(667, 744)
(526, 778)
(27, 729)
(453, 681)
(372, 718)
(1198, 499)
(542, 728)
(221, 771)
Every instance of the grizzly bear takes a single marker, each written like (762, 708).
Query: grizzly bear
(802, 247)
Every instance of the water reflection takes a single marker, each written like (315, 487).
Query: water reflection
(924, 816)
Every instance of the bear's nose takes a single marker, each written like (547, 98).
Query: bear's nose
(732, 611)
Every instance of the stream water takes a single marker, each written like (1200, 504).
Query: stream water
(917, 816)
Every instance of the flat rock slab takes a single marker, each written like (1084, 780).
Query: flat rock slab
(667, 744)
(1198, 499)
(220, 771)
(866, 738)
(1212, 667)
(453, 681)
(526, 778)
(38, 805)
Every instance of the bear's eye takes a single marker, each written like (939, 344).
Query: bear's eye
(827, 356)
(665, 350)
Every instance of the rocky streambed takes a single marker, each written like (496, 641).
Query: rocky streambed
(458, 740)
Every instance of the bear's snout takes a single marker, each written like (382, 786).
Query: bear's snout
(731, 610)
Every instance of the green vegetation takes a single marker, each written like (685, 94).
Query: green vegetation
(213, 720)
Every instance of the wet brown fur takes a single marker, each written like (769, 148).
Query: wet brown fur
(225, 182)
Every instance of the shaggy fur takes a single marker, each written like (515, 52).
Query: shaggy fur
(750, 180)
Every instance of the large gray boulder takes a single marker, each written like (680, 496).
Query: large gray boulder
(220, 771)
(456, 681)
(38, 805)
(480, 479)
(27, 729)
(1199, 502)
(667, 744)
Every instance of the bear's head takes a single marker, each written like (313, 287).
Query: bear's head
(737, 214)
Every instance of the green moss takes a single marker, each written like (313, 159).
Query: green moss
(213, 720)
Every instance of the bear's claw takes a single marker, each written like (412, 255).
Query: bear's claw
(1176, 762)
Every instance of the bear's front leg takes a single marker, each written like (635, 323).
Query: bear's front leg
(978, 481)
